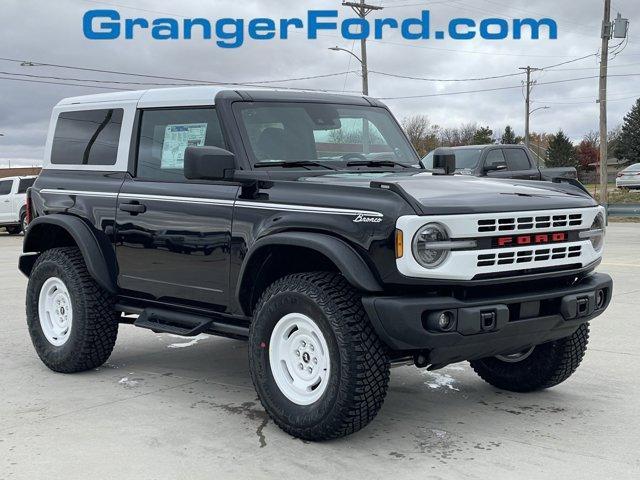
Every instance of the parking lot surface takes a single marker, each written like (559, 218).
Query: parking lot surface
(174, 407)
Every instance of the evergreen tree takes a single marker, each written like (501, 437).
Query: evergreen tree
(561, 151)
(629, 142)
(483, 136)
(509, 136)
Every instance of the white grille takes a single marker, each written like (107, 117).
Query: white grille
(529, 223)
(528, 256)
(468, 263)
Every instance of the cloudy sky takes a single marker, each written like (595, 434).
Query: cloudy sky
(45, 31)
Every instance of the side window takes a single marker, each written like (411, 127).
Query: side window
(25, 183)
(495, 157)
(5, 187)
(87, 137)
(166, 133)
(517, 159)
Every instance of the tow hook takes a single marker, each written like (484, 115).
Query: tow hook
(420, 360)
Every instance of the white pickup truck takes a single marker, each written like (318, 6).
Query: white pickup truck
(13, 209)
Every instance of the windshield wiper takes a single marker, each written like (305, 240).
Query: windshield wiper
(376, 163)
(292, 164)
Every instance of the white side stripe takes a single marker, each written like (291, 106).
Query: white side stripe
(219, 202)
(79, 192)
(169, 198)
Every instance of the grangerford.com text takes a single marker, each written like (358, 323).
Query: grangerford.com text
(232, 32)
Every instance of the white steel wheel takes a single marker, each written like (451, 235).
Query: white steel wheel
(299, 359)
(55, 311)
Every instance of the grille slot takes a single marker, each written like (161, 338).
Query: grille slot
(528, 256)
(529, 223)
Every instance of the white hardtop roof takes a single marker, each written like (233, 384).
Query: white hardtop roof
(183, 96)
(198, 95)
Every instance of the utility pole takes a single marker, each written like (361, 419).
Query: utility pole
(362, 10)
(527, 102)
(602, 99)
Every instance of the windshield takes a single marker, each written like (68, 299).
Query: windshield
(334, 135)
(466, 158)
(633, 168)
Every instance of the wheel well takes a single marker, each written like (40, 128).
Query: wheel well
(46, 236)
(276, 261)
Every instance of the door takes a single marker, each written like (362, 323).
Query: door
(173, 234)
(515, 163)
(6, 205)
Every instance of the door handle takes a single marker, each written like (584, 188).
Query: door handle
(133, 208)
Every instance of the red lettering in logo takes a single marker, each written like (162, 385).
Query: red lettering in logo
(542, 238)
(524, 240)
(503, 241)
(559, 236)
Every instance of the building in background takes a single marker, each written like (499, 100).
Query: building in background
(19, 171)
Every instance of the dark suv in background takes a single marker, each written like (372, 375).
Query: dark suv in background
(502, 161)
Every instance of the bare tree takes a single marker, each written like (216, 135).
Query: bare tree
(423, 135)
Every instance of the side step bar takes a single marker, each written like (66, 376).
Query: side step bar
(187, 324)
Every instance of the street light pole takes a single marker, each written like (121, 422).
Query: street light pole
(527, 133)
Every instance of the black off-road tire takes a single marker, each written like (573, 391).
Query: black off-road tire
(548, 365)
(94, 325)
(360, 365)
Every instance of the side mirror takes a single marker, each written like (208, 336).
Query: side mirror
(494, 167)
(444, 161)
(208, 163)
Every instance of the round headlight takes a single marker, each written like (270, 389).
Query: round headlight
(598, 225)
(423, 250)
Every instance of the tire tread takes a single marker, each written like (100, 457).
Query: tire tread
(367, 389)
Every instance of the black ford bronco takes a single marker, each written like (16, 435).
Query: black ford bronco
(305, 224)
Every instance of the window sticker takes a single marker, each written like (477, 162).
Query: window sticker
(177, 138)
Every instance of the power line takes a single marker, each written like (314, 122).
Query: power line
(408, 77)
(548, 67)
(407, 97)
(61, 83)
(73, 79)
(161, 77)
(593, 102)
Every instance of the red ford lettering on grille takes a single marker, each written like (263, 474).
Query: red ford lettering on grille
(536, 239)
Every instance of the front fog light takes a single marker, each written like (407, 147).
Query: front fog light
(596, 233)
(425, 250)
(445, 319)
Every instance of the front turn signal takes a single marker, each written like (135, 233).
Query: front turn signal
(399, 243)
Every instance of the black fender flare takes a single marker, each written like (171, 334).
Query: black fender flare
(83, 236)
(344, 256)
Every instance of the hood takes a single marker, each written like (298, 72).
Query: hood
(458, 194)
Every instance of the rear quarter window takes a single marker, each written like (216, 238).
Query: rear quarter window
(87, 137)
(517, 159)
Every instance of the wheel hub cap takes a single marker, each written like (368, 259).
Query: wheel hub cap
(55, 311)
(299, 358)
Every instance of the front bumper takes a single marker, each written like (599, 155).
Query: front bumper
(485, 327)
(628, 182)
